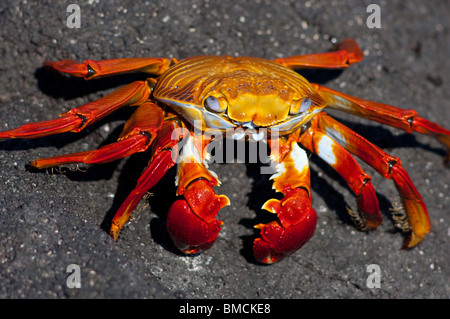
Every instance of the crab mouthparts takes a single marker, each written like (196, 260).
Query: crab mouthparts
(248, 129)
(248, 124)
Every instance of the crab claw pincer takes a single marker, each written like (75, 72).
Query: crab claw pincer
(295, 226)
(191, 221)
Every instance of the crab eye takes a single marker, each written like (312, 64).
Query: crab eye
(215, 104)
(306, 103)
(300, 107)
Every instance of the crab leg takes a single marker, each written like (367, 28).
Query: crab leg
(78, 118)
(388, 166)
(343, 162)
(138, 133)
(347, 53)
(91, 69)
(406, 120)
(296, 218)
(191, 221)
(165, 148)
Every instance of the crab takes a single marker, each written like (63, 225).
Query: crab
(180, 102)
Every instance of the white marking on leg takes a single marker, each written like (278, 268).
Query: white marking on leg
(189, 153)
(299, 157)
(325, 150)
(337, 136)
(280, 170)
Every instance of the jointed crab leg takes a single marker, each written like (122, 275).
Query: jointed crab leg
(296, 218)
(347, 53)
(406, 120)
(389, 167)
(191, 221)
(78, 118)
(318, 142)
(165, 148)
(139, 132)
(91, 69)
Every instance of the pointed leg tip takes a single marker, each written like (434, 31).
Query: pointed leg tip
(4, 135)
(352, 47)
(372, 222)
(48, 64)
(114, 232)
(412, 240)
(68, 66)
(36, 164)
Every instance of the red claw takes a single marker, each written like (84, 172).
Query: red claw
(190, 233)
(191, 221)
(296, 225)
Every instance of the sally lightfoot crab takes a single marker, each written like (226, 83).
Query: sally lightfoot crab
(181, 100)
